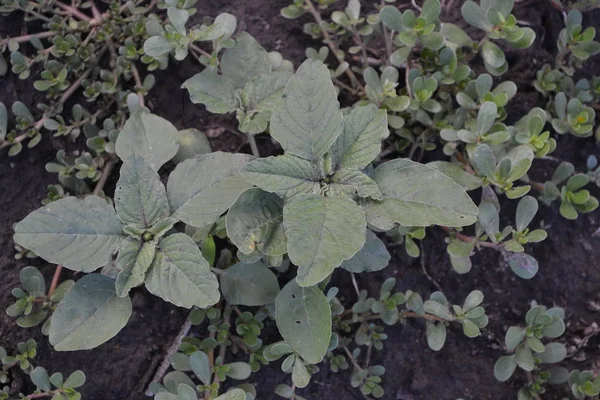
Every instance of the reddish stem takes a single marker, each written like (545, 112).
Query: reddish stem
(55, 279)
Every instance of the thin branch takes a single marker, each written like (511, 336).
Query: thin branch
(253, 146)
(73, 11)
(26, 38)
(164, 366)
(355, 284)
(55, 279)
(331, 44)
(108, 167)
(470, 239)
(138, 84)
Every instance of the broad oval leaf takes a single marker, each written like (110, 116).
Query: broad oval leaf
(360, 141)
(158, 46)
(79, 234)
(457, 174)
(308, 120)
(526, 210)
(192, 143)
(553, 352)
(417, 195)
(372, 257)
(202, 188)
(201, 366)
(140, 196)
(249, 284)
(285, 175)
(245, 60)
(255, 221)
(505, 367)
(233, 394)
(215, 91)
(180, 275)
(303, 317)
(522, 264)
(436, 335)
(149, 135)
(134, 260)
(322, 232)
(90, 314)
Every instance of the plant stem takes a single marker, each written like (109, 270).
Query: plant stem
(331, 44)
(164, 366)
(108, 167)
(355, 284)
(352, 359)
(387, 37)
(55, 279)
(138, 84)
(199, 50)
(470, 239)
(26, 38)
(73, 11)
(253, 146)
(222, 348)
(406, 75)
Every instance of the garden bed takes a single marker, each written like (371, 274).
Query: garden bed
(569, 273)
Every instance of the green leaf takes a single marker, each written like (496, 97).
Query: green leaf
(90, 314)
(349, 182)
(192, 143)
(134, 260)
(255, 221)
(526, 210)
(285, 175)
(486, 117)
(493, 56)
(202, 188)
(201, 366)
(436, 335)
(238, 370)
(554, 352)
(158, 46)
(245, 61)
(505, 367)
(391, 17)
(303, 317)
(233, 394)
(360, 141)
(307, 121)
(39, 377)
(300, 375)
(520, 158)
(431, 10)
(474, 299)
(216, 92)
(524, 357)
(417, 195)
(372, 257)
(475, 15)
(514, 336)
(322, 232)
(457, 174)
(469, 328)
(152, 137)
(75, 380)
(140, 196)
(79, 234)
(180, 275)
(33, 281)
(522, 264)
(249, 284)
(489, 219)
(438, 309)
(555, 329)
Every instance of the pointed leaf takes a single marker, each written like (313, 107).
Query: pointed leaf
(79, 234)
(322, 232)
(249, 284)
(457, 174)
(149, 135)
(255, 221)
(285, 175)
(180, 275)
(245, 60)
(360, 141)
(307, 120)
(417, 195)
(303, 317)
(215, 91)
(202, 188)
(140, 196)
(349, 182)
(134, 260)
(90, 314)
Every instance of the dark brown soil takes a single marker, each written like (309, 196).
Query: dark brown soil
(569, 273)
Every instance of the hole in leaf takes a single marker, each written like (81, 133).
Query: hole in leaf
(299, 323)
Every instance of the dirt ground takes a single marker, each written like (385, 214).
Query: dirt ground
(569, 259)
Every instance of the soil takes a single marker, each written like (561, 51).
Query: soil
(569, 273)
